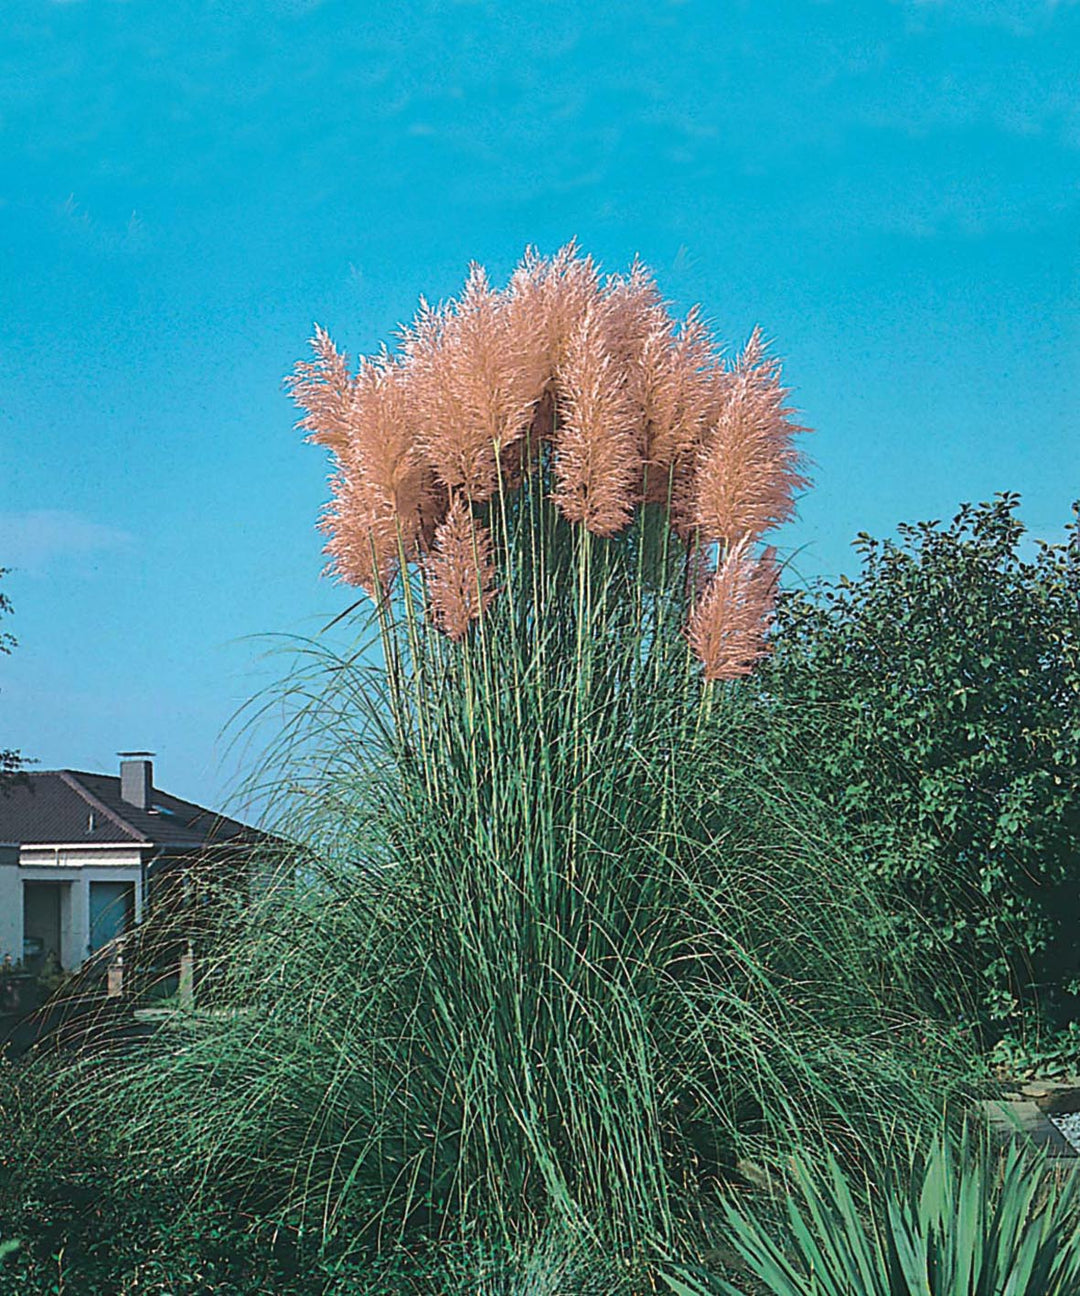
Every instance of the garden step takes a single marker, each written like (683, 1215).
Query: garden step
(1027, 1119)
(1054, 1096)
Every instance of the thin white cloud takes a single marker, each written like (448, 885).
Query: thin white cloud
(35, 540)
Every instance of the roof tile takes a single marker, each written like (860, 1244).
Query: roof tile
(78, 808)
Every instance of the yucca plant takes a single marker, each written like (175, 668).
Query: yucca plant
(559, 953)
(967, 1220)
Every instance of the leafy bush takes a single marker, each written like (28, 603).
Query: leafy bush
(934, 701)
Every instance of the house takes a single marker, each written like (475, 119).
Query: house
(83, 857)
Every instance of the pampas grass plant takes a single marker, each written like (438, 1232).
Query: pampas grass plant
(553, 955)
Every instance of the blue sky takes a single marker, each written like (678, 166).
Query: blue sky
(892, 189)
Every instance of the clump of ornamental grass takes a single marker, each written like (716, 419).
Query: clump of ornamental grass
(556, 952)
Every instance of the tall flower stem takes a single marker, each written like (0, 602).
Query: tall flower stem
(583, 682)
(513, 621)
(419, 670)
(388, 641)
(656, 653)
(639, 583)
(469, 682)
(487, 674)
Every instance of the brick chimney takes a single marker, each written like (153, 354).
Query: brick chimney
(136, 778)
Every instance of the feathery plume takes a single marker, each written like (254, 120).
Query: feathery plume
(323, 387)
(363, 543)
(669, 372)
(746, 470)
(471, 387)
(637, 331)
(728, 625)
(634, 407)
(699, 571)
(597, 461)
(546, 302)
(383, 494)
(631, 309)
(460, 571)
(677, 382)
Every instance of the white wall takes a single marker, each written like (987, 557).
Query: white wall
(11, 908)
(80, 868)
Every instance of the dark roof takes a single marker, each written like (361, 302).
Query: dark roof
(55, 806)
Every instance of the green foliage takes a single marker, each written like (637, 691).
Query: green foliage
(93, 1224)
(561, 950)
(954, 1222)
(1031, 1051)
(89, 1222)
(937, 698)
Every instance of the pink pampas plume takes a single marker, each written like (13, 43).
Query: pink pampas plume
(460, 571)
(631, 309)
(547, 298)
(384, 499)
(597, 461)
(471, 386)
(728, 625)
(746, 471)
(678, 375)
(323, 388)
(363, 539)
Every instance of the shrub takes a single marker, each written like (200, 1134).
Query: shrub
(933, 701)
(77, 1218)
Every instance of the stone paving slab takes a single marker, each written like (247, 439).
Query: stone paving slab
(1053, 1096)
(1026, 1119)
